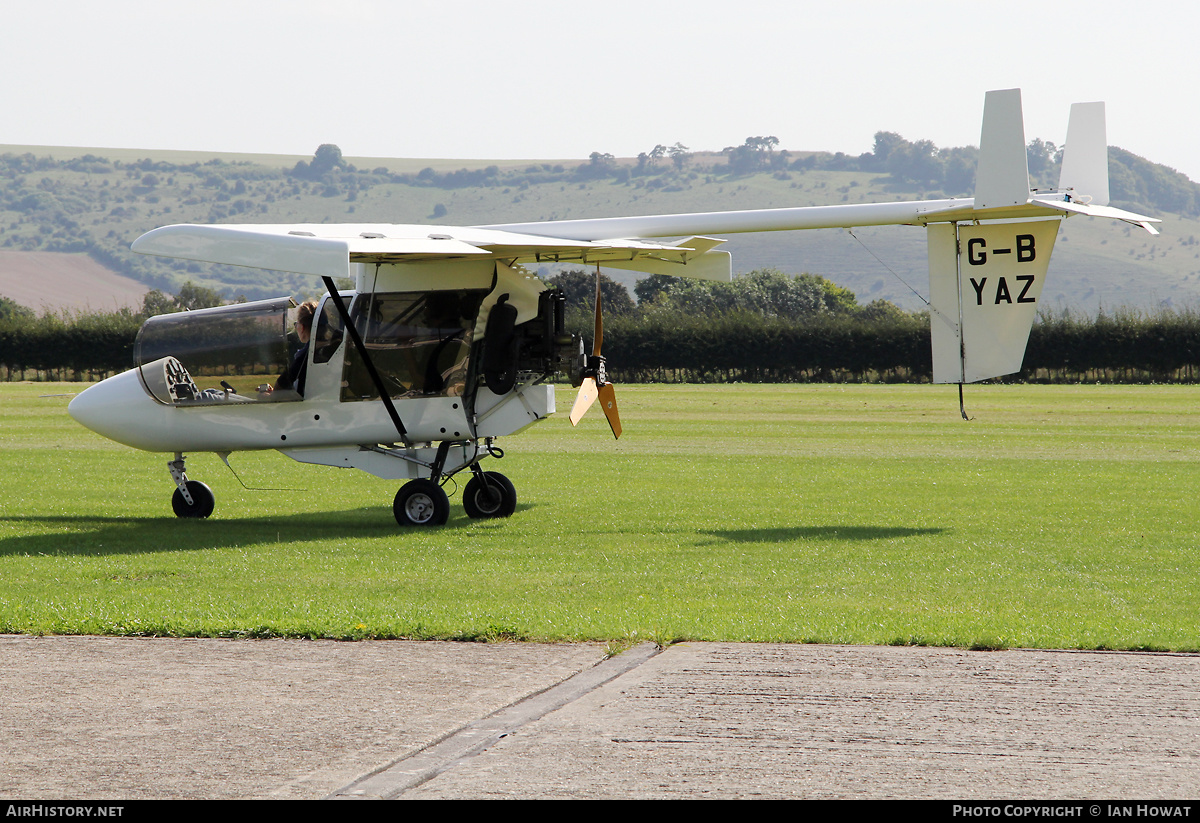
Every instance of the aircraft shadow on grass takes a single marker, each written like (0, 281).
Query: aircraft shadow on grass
(83, 536)
(788, 534)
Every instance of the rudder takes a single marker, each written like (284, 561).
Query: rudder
(985, 282)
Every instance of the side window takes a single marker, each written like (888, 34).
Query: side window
(328, 334)
(420, 343)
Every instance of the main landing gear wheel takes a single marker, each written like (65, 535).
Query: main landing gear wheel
(421, 503)
(497, 499)
(202, 501)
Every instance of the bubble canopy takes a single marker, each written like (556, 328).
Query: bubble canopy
(239, 347)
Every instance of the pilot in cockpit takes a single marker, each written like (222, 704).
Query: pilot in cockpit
(297, 369)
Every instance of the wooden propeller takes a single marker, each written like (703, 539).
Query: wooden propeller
(595, 384)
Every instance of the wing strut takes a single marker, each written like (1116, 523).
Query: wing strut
(366, 358)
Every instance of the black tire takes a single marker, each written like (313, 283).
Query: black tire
(497, 499)
(421, 503)
(202, 497)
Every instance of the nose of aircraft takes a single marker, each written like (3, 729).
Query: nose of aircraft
(118, 408)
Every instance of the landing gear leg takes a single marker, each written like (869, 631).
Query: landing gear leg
(192, 498)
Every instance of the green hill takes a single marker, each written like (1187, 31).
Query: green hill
(97, 201)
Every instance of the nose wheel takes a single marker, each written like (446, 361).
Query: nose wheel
(202, 500)
(192, 498)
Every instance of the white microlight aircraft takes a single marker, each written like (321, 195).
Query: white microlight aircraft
(446, 341)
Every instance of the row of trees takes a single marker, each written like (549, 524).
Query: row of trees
(922, 165)
(768, 293)
(670, 346)
(763, 327)
(911, 164)
(65, 347)
(741, 347)
(85, 345)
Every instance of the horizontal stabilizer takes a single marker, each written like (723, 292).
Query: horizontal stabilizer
(1068, 207)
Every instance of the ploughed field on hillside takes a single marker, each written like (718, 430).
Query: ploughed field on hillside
(58, 281)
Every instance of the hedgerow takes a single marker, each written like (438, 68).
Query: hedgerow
(738, 346)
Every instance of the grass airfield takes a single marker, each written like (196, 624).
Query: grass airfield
(1058, 517)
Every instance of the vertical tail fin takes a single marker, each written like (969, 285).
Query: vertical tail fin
(1085, 158)
(1002, 177)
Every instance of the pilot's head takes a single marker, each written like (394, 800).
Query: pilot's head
(304, 319)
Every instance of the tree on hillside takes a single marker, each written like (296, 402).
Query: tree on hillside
(958, 174)
(885, 142)
(599, 165)
(679, 155)
(326, 159)
(156, 302)
(754, 154)
(191, 297)
(766, 292)
(650, 290)
(12, 310)
(1136, 180)
(579, 286)
(1043, 158)
(915, 163)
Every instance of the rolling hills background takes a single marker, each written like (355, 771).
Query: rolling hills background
(87, 205)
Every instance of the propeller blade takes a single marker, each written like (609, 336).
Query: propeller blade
(584, 400)
(608, 402)
(595, 385)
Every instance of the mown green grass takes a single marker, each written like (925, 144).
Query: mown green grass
(1058, 517)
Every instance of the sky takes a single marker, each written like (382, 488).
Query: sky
(527, 79)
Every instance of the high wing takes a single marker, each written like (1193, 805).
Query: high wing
(615, 242)
(328, 250)
(913, 213)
